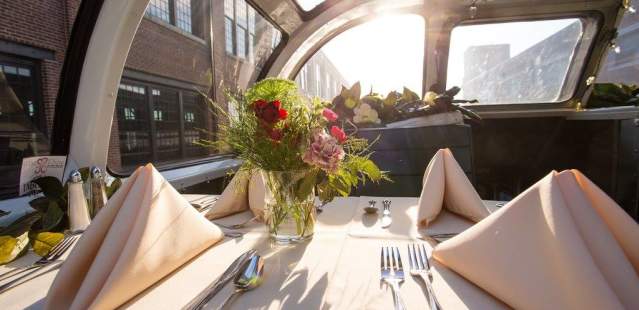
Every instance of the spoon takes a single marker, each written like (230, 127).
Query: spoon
(249, 278)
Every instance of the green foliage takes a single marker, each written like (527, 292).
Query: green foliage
(612, 95)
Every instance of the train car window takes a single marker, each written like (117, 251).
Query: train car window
(622, 63)
(383, 55)
(160, 113)
(32, 51)
(513, 62)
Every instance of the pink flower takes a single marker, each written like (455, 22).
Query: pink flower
(330, 115)
(338, 134)
(324, 152)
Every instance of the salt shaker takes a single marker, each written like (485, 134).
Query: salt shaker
(98, 190)
(79, 217)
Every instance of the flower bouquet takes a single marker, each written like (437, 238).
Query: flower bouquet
(297, 146)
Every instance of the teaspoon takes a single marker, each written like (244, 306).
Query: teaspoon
(249, 278)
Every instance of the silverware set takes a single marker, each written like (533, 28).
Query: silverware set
(19, 276)
(204, 204)
(246, 273)
(392, 272)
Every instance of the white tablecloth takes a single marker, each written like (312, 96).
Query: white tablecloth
(337, 269)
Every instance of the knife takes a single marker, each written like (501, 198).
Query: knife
(386, 214)
(209, 292)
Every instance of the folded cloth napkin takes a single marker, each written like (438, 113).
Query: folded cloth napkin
(445, 185)
(561, 244)
(243, 192)
(146, 231)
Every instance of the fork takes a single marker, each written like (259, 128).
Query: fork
(419, 267)
(41, 263)
(393, 273)
(59, 248)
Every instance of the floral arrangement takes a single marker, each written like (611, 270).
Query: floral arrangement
(274, 128)
(373, 110)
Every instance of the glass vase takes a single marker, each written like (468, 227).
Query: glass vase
(290, 210)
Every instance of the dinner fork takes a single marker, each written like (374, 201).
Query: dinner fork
(419, 267)
(393, 273)
(41, 264)
(53, 254)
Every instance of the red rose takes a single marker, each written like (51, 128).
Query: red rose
(269, 112)
(338, 134)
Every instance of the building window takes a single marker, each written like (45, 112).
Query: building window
(183, 14)
(243, 28)
(22, 118)
(159, 9)
(228, 31)
(175, 12)
(151, 128)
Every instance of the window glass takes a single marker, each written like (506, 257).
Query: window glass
(622, 64)
(368, 53)
(31, 60)
(308, 5)
(159, 9)
(515, 62)
(183, 14)
(160, 112)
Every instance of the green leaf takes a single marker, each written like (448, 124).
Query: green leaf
(305, 185)
(43, 242)
(41, 204)
(52, 217)
(51, 187)
(12, 247)
(113, 187)
(371, 170)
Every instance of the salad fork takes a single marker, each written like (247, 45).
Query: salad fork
(419, 267)
(53, 254)
(393, 273)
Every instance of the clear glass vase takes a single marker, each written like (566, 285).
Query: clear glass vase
(290, 210)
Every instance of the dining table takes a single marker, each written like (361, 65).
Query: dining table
(339, 268)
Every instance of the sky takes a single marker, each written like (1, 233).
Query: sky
(386, 53)
(307, 5)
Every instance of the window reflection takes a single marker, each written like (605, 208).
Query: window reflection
(515, 62)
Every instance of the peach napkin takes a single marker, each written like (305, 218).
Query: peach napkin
(243, 192)
(445, 185)
(561, 244)
(146, 231)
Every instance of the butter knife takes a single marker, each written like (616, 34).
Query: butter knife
(386, 214)
(209, 292)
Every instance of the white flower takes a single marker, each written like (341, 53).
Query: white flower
(365, 114)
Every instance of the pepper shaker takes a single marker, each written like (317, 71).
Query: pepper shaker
(98, 190)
